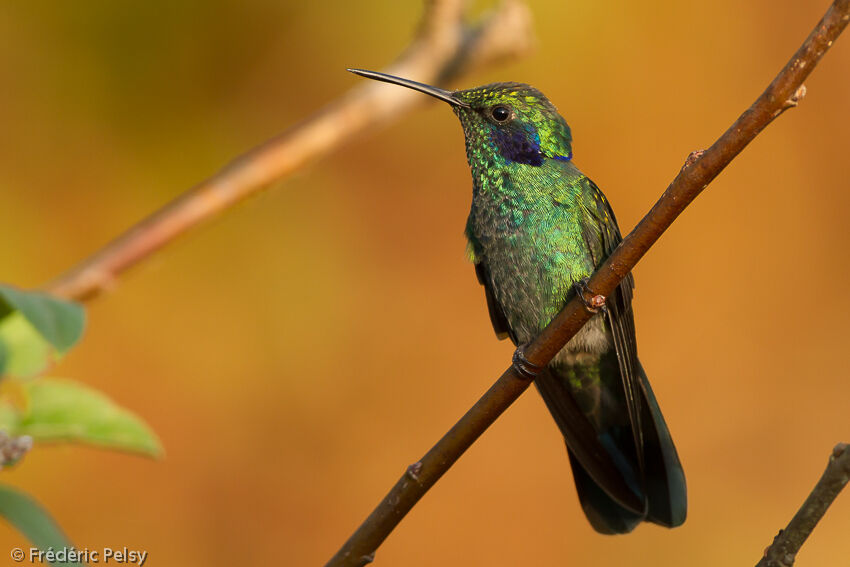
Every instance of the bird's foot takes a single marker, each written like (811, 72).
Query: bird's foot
(523, 366)
(596, 301)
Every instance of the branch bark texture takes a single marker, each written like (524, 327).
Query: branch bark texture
(783, 551)
(444, 47)
(700, 169)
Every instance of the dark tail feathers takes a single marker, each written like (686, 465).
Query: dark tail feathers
(659, 485)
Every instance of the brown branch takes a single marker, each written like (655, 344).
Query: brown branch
(444, 47)
(700, 169)
(788, 542)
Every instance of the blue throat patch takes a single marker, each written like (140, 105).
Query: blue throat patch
(520, 146)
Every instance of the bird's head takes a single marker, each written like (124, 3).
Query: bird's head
(502, 122)
(515, 121)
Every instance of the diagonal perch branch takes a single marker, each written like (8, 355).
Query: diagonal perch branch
(444, 47)
(688, 184)
(788, 542)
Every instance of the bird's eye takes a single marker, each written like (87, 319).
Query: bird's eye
(500, 113)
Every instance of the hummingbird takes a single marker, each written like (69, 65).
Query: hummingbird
(537, 229)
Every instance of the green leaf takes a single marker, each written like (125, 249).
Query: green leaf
(26, 352)
(60, 322)
(4, 355)
(65, 410)
(33, 521)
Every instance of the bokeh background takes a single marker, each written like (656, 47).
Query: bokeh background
(297, 353)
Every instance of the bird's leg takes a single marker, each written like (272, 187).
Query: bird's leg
(596, 301)
(523, 366)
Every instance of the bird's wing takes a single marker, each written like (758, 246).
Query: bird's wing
(620, 317)
(497, 316)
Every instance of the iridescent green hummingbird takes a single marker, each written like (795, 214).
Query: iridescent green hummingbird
(537, 229)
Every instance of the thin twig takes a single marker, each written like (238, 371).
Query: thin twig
(788, 542)
(444, 47)
(700, 169)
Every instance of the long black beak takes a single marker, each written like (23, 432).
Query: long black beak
(444, 95)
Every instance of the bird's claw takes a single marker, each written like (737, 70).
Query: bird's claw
(523, 366)
(596, 301)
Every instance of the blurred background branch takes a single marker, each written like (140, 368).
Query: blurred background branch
(784, 92)
(783, 551)
(445, 46)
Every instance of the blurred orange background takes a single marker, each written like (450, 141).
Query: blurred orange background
(299, 352)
